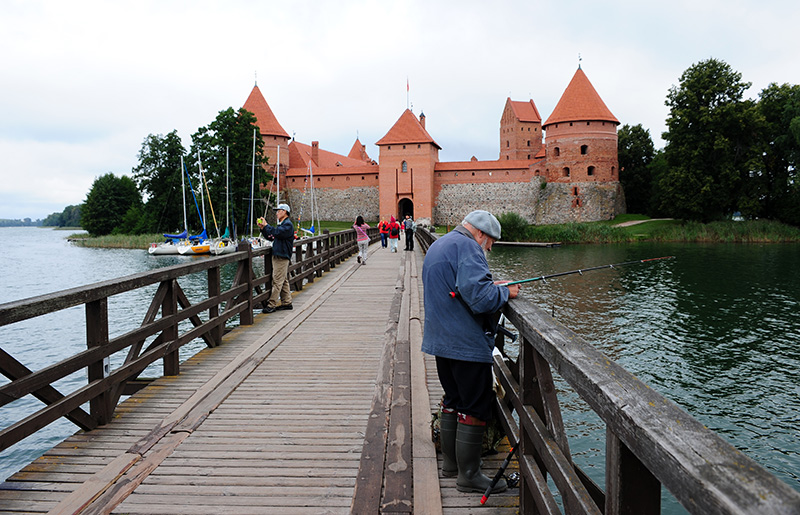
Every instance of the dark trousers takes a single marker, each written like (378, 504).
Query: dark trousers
(409, 239)
(467, 387)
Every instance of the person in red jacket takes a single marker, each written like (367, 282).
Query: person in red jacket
(394, 234)
(383, 228)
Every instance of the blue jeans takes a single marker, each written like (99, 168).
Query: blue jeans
(383, 239)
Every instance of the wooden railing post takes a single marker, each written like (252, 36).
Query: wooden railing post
(97, 336)
(631, 489)
(213, 311)
(326, 250)
(246, 318)
(170, 307)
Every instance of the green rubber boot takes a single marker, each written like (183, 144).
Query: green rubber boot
(469, 445)
(448, 425)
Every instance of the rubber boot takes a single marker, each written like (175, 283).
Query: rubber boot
(469, 445)
(448, 426)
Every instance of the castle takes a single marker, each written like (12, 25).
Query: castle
(569, 175)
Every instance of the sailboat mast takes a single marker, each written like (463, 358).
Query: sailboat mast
(227, 187)
(252, 182)
(278, 175)
(202, 199)
(183, 197)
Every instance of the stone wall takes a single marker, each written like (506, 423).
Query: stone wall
(537, 201)
(335, 204)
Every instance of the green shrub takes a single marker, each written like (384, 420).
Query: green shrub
(514, 227)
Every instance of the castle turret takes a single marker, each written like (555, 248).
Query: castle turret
(408, 155)
(581, 140)
(520, 131)
(271, 131)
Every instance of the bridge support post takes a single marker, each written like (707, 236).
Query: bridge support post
(170, 308)
(630, 487)
(100, 407)
(213, 311)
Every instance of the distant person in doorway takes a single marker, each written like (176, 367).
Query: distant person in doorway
(456, 332)
(362, 238)
(410, 228)
(282, 246)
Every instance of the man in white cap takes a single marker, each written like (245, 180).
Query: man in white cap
(282, 246)
(460, 301)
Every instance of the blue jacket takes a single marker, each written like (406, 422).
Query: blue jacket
(284, 238)
(455, 328)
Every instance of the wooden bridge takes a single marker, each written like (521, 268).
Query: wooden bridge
(326, 408)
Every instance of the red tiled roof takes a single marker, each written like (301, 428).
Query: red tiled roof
(359, 152)
(580, 102)
(407, 129)
(525, 111)
(504, 164)
(267, 123)
(300, 155)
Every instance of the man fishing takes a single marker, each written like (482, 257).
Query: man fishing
(455, 332)
(283, 235)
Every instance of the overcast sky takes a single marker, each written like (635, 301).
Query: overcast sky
(84, 82)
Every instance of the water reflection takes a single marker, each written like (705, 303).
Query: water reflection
(715, 330)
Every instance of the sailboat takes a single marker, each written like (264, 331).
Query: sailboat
(225, 244)
(199, 244)
(170, 245)
(307, 233)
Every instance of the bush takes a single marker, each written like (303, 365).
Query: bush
(514, 227)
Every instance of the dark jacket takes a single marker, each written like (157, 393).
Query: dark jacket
(455, 328)
(284, 238)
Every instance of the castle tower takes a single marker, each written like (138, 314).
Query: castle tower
(520, 131)
(271, 131)
(407, 158)
(581, 140)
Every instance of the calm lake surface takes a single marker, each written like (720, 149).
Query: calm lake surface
(716, 330)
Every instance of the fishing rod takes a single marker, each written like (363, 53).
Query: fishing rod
(499, 474)
(579, 271)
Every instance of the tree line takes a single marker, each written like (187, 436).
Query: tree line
(724, 154)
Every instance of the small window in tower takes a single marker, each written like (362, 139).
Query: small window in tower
(566, 171)
(590, 171)
(347, 178)
(362, 177)
(529, 156)
(318, 179)
(570, 124)
(613, 171)
(575, 190)
(404, 147)
(405, 167)
(529, 143)
(557, 151)
(584, 149)
(588, 123)
(507, 158)
(389, 147)
(419, 146)
(508, 143)
(473, 174)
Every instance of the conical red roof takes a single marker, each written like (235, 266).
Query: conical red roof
(266, 121)
(407, 130)
(580, 102)
(359, 152)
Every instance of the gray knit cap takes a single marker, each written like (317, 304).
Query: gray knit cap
(484, 221)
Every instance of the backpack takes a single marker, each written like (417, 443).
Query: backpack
(394, 230)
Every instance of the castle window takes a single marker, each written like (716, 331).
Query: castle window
(529, 143)
(508, 143)
(405, 167)
(419, 146)
(565, 171)
(613, 170)
(473, 174)
(404, 147)
(584, 149)
(575, 190)
(590, 170)
(529, 156)
(557, 151)
(570, 124)
(362, 177)
(507, 158)
(588, 123)
(318, 179)
(347, 178)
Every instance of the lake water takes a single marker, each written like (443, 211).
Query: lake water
(716, 330)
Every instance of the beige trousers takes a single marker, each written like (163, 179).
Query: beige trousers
(280, 283)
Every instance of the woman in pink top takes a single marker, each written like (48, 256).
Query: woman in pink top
(362, 238)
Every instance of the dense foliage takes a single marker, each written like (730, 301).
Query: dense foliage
(70, 217)
(635, 152)
(226, 144)
(158, 176)
(108, 202)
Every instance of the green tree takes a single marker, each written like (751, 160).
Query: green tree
(636, 152)
(776, 182)
(231, 130)
(709, 151)
(70, 217)
(107, 202)
(158, 176)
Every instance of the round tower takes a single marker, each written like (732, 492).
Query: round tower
(581, 136)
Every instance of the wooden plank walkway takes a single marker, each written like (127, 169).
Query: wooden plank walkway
(284, 417)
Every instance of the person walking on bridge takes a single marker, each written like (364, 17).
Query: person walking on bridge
(460, 301)
(394, 234)
(282, 246)
(362, 239)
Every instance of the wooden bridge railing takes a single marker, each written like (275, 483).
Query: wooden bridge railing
(650, 441)
(312, 257)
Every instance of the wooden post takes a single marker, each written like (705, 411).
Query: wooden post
(213, 311)
(630, 487)
(170, 307)
(246, 318)
(100, 407)
(326, 250)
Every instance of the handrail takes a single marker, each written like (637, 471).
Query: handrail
(650, 441)
(313, 256)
